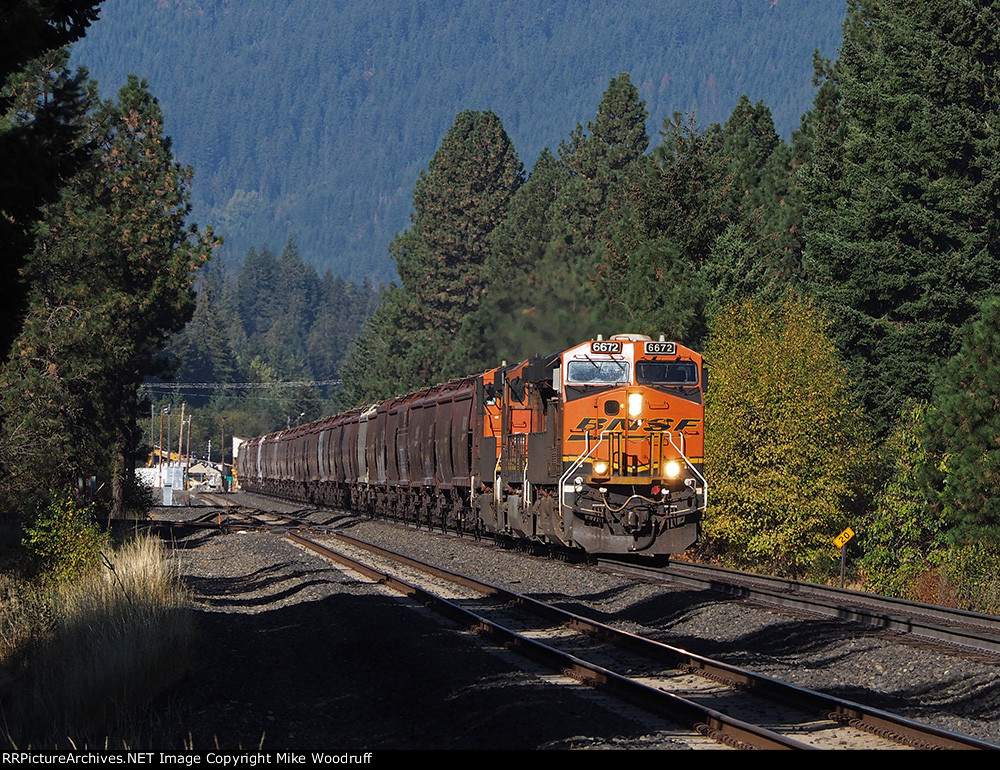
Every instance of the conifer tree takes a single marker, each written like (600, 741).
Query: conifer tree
(40, 123)
(667, 220)
(458, 202)
(371, 369)
(599, 162)
(963, 431)
(817, 146)
(903, 244)
(256, 286)
(508, 324)
(759, 254)
(748, 140)
(110, 277)
(203, 348)
(519, 242)
(340, 314)
(31, 27)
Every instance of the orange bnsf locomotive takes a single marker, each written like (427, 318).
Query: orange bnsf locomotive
(599, 448)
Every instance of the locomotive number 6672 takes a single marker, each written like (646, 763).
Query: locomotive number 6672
(599, 447)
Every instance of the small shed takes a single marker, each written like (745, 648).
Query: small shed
(204, 475)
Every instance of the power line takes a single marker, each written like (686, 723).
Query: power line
(174, 386)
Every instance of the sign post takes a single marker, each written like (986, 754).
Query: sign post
(841, 541)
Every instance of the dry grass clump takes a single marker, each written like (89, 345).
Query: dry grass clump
(78, 658)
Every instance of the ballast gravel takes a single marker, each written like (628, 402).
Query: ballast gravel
(294, 653)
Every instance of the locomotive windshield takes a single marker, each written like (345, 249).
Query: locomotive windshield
(591, 372)
(666, 373)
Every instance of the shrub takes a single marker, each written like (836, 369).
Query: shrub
(971, 577)
(787, 448)
(64, 539)
(904, 532)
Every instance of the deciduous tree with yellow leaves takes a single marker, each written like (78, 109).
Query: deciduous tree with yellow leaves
(787, 444)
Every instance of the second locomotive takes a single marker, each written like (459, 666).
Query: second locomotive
(599, 447)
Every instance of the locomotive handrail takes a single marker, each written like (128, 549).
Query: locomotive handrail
(576, 464)
(687, 460)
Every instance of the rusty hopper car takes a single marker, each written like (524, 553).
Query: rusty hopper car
(599, 448)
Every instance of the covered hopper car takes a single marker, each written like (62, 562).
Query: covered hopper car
(599, 447)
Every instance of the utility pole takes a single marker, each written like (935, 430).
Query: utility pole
(169, 482)
(223, 449)
(159, 447)
(180, 439)
(168, 440)
(180, 443)
(187, 455)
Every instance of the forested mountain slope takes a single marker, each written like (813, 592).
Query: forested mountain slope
(313, 118)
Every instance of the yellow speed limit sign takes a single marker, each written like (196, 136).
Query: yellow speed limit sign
(841, 540)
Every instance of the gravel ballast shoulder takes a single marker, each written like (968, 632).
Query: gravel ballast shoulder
(294, 653)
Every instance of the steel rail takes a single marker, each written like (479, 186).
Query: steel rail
(969, 629)
(726, 729)
(838, 710)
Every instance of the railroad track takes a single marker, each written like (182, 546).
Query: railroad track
(940, 624)
(712, 688)
(733, 706)
(968, 630)
(947, 625)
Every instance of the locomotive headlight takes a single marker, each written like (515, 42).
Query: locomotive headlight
(672, 469)
(634, 404)
(600, 468)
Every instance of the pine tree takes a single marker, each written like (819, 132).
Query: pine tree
(667, 221)
(203, 348)
(31, 27)
(599, 163)
(759, 254)
(256, 286)
(508, 325)
(458, 202)
(817, 147)
(110, 278)
(904, 244)
(40, 123)
(372, 366)
(748, 141)
(962, 430)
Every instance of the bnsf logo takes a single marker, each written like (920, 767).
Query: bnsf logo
(620, 424)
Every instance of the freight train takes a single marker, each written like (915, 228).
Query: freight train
(598, 448)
